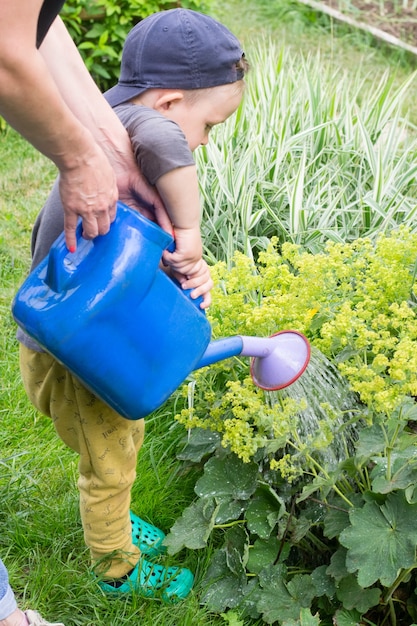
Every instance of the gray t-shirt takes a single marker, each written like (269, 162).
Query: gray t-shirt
(159, 146)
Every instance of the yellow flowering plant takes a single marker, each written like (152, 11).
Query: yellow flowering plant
(292, 480)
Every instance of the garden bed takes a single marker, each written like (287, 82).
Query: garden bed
(394, 23)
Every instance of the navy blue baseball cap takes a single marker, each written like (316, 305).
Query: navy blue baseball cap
(176, 49)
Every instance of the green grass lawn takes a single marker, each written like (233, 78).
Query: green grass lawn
(41, 538)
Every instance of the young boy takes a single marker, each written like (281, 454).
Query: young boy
(181, 73)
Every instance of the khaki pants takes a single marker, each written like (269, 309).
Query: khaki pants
(108, 445)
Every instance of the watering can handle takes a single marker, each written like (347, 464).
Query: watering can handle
(62, 263)
(186, 292)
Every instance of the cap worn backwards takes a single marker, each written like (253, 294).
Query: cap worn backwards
(176, 49)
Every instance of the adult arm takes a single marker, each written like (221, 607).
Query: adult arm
(85, 99)
(76, 137)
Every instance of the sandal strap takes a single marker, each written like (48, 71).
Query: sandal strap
(152, 580)
(148, 538)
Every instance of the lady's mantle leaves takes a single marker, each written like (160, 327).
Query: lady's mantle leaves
(200, 443)
(225, 487)
(280, 600)
(354, 597)
(305, 619)
(193, 528)
(225, 581)
(263, 512)
(381, 540)
(228, 477)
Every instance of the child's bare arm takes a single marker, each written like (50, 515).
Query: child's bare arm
(179, 192)
(180, 195)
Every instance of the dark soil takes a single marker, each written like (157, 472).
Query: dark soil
(389, 17)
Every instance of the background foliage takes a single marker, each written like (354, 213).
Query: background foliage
(99, 28)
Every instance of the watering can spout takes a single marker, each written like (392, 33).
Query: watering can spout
(277, 361)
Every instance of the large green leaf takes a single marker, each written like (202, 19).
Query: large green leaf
(265, 552)
(323, 583)
(263, 512)
(228, 476)
(251, 596)
(300, 526)
(275, 602)
(200, 442)
(411, 494)
(230, 510)
(337, 568)
(236, 546)
(335, 522)
(371, 441)
(306, 619)
(222, 588)
(403, 471)
(352, 596)
(346, 618)
(280, 601)
(337, 516)
(381, 540)
(193, 528)
(302, 589)
(408, 410)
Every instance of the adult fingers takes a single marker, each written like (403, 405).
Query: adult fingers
(93, 224)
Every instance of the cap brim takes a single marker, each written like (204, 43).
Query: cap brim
(122, 93)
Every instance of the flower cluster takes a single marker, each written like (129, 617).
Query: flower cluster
(354, 302)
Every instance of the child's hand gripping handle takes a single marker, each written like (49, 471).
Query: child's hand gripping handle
(186, 292)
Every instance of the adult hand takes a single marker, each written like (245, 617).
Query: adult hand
(85, 193)
(49, 97)
(88, 190)
(94, 199)
(136, 192)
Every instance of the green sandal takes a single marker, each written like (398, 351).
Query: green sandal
(148, 538)
(151, 580)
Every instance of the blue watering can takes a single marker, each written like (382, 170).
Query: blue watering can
(113, 317)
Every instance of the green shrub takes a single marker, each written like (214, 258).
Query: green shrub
(309, 493)
(100, 27)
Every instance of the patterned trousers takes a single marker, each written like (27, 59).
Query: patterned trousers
(107, 444)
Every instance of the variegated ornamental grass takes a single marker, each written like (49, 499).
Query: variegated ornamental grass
(313, 154)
